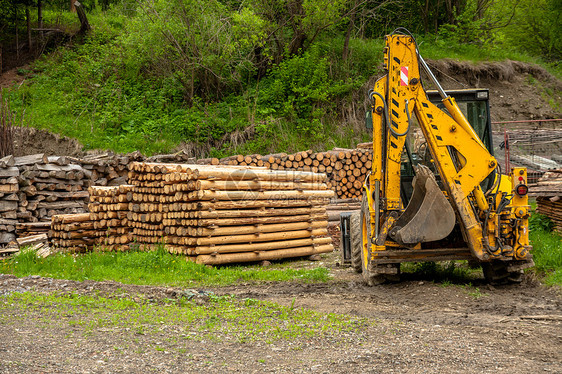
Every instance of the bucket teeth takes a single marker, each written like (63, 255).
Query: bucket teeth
(429, 216)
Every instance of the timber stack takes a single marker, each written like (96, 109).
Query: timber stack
(345, 168)
(548, 191)
(72, 233)
(109, 207)
(108, 169)
(9, 190)
(224, 214)
(149, 203)
(50, 186)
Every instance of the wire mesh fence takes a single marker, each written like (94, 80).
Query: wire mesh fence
(535, 144)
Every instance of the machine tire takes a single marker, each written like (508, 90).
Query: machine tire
(496, 273)
(355, 239)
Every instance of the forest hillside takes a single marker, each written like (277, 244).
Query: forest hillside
(217, 78)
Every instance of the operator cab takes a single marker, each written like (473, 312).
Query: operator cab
(475, 106)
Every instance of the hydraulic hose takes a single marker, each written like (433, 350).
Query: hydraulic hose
(387, 116)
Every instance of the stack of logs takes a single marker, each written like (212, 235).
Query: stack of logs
(50, 186)
(108, 169)
(109, 207)
(72, 232)
(346, 168)
(8, 200)
(219, 215)
(334, 210)
(549, 197)
(32, 228)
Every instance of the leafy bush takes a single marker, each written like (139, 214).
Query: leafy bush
(540, 222)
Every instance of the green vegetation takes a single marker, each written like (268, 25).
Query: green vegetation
(547, 249)
(249, 77)
(446, 273)
(151, 268)
(218, 319)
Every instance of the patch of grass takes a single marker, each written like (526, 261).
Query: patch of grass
(475, 292)
(547, 254)
(547, 247)
(150, 268)
(221, 318)
(446, 273)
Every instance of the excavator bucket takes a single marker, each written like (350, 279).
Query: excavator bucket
(429, 216)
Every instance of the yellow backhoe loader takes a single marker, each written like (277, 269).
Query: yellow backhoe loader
(435, 191)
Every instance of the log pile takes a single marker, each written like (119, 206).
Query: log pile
(49, 186)
(336, 207)
(334, 211)
(108, 169)
(346, 168)
(552, 208)
(24, 229)
(35, 241)
(72, 233)
(9, 198)
(109, 207)
(549, 197)
(218, 215)
(550, 184)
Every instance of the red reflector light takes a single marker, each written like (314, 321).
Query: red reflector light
(521, 190)
(521, 179)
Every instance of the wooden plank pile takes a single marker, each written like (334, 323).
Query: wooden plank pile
(346, 168)
(552, 208)
(50, 186)
(38, 243)
(549, 197)
(336, 207)
(108, 169)
(550, 184)
(109, 207)
(24, 229)
(73, 233)
(224, 214)
(9, 189)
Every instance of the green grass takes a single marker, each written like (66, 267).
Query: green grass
(547, 248)
(149, 268)
(446, 273)
(220, 318)
(547, 254)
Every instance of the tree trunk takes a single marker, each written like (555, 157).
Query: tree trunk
(40, 21)
(28, 19)
(425, 16)
(84, 24)
(17, 35)
(350, 27)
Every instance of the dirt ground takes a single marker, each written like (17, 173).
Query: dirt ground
(420, 326)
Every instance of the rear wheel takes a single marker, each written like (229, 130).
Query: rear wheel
(355, 239)
(498, 272)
